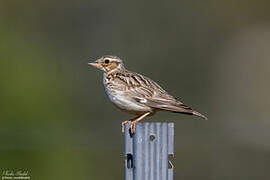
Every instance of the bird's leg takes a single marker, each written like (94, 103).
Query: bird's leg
(134, 121)
(123, 125)
(128, 121)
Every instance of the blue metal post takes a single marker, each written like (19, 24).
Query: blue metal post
(147, 151)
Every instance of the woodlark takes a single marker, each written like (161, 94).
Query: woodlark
(135, 93)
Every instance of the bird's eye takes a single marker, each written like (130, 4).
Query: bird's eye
(106, 61)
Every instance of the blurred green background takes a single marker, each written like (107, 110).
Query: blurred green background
(57, 123)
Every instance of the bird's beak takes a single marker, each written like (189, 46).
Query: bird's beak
(97, 65)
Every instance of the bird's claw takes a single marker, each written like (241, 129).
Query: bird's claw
(132, 127)
(123, 125)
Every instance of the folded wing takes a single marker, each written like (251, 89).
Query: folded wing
(173, 106)
(148, 92)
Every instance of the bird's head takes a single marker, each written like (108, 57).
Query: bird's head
(108, 63)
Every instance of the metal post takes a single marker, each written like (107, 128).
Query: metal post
(147, 151)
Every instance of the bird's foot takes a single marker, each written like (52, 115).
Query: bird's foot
(132, 127)
(123, 125)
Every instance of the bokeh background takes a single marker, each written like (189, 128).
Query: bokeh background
(56, 122)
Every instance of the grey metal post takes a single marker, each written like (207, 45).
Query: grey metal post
(147, 151)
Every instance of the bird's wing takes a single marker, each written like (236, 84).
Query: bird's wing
(148, 92)
(165, 104)
(168, 105)
(137, 85)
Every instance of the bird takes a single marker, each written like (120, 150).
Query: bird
(136, 94)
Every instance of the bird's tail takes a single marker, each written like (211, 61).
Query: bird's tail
(199, 114)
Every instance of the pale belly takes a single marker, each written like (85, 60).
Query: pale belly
(127, 103)
(116, 94)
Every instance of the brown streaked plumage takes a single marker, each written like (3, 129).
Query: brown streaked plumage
(135, 93)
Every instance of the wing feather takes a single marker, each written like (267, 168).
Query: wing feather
(148, 92)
